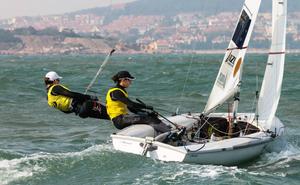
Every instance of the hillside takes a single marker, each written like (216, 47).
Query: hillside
(51, 41)
(142, 26)
(173, 7)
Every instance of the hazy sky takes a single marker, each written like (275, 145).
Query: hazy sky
(13, 8)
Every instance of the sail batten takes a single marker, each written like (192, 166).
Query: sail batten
(271, 85)
(228, 79)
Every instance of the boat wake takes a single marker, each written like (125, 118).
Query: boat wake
(27, 166)
(279, 163)
(181, 173)
(266, 170)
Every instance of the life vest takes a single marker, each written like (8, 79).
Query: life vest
(60, 102)
(115, 108)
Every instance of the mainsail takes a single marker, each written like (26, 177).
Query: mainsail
(271, 86)
(229, 76)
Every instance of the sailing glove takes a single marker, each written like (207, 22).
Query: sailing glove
(148, 107)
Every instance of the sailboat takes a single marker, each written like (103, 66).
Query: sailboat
(223, 138)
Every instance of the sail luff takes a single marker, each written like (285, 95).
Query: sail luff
(271, 85)
(228, 78)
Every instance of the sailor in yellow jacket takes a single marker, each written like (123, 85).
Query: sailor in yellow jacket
(123, 112)
(61, 98)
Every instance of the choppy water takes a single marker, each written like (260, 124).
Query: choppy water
(39, 145)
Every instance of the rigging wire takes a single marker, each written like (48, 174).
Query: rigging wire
(217, 10)
(206, 121)
(255, 102)
(184, 85)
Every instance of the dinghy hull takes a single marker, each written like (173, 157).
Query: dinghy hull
(209, 154)
(222, 152)
(230, 156)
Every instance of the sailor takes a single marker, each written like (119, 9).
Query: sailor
(61, 98)
(124, 112)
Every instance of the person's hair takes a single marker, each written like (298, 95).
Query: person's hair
(47, 81)
(115, 78)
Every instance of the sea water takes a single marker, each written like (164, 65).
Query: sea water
(42, 146)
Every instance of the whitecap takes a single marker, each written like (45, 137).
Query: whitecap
(180, 173)
(29, 165)
(276, 163)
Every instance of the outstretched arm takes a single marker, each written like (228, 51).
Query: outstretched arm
(59, 90)
(117, 95)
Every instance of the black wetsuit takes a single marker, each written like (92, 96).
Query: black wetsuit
(82, 104)
(139, 117)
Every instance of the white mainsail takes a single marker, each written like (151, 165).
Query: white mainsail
(229, 76)
(271, 86)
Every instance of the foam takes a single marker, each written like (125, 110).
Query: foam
(180, 173)
(14, 169)
(289, 153)
(28, 166)
(276, 163)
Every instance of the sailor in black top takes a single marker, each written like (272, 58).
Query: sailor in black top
(123, 119)
(68, 101)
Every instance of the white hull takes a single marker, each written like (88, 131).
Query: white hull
(224, 152)
(230, 155)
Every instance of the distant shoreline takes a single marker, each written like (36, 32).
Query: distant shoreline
(208, 52)
(249, 51)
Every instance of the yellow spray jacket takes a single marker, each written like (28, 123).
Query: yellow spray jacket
(115, 108)
(60, 102)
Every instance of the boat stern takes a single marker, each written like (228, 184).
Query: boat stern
(148, 147)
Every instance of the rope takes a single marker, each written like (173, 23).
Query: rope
(225, 133)
(188, 150)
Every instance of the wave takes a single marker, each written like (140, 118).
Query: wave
(278, 163)
(28, 165)
(270, 168)
(92, 161)
(180, 173)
